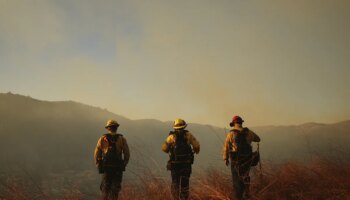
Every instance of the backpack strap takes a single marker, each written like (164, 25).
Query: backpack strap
(183, 132)
(174, 133)
(118, 135)
(245, 131)
(110, 136)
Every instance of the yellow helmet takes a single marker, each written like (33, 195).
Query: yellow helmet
(179, 124)
(111, 122)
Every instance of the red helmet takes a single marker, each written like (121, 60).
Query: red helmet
(236, 119)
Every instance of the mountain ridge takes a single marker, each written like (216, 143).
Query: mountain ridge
(23, 97)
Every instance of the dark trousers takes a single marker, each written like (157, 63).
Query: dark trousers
(180, 176)
(111, 184)
(240, 178)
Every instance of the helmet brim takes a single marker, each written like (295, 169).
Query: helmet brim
(180, 127)
(233, 123)
(115, 125)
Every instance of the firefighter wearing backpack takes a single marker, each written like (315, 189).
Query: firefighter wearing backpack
(181, 146)
(111, 157)
(238, 149)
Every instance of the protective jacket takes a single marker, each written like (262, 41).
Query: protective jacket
(189, 138)
(229, 145)
(121, 147)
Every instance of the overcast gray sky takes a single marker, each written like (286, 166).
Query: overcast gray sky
(272, 61)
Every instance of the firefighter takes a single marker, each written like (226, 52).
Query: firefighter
(238, 150)
(181, 146)
(111, 157)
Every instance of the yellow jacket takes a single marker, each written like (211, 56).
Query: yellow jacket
(170, 141)
(229, 145)
(121, 146)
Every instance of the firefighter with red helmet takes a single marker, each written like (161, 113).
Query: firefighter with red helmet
(238, 151)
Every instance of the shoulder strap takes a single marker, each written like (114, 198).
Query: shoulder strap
(109, 137)
(183, 132)
(245, 131)
(121, 137)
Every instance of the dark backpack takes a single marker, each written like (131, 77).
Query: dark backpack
(240, 140)
(112, 159)
(181, 151)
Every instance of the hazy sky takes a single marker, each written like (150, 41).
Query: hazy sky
(272, 61)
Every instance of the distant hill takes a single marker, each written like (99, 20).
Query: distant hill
(58, 136)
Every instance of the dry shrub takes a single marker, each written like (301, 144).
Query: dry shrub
(320, 179)
(25, 187)
(212, 184)
(15, 188)
(150, 187)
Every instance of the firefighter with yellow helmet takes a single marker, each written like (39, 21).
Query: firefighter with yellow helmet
(111, 157)
(181, 146)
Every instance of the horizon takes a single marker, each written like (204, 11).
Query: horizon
(166, 121)
(270, 62)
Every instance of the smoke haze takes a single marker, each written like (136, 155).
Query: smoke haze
(274, 62)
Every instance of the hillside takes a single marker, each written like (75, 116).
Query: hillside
(48, 139)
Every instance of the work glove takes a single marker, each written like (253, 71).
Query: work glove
(124, 166)
(227, 162)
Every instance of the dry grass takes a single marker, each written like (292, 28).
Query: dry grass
(321, 179)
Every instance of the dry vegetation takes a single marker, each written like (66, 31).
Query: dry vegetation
(321, 179)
